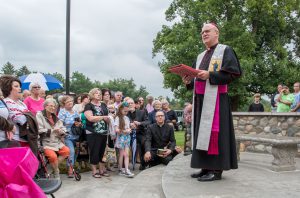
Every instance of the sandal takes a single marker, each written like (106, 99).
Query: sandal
(97, 175)
(70, 175)
(104, 174)
(109, 169)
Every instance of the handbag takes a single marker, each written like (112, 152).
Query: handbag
(110, 154)
(76, 130)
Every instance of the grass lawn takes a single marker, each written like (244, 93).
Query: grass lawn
(179, 136)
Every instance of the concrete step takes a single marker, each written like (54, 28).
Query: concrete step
(147, 184)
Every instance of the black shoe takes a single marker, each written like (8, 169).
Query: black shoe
(211, 176)
(200, 174)
(142, 167)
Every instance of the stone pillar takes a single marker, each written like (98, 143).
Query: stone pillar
(284, 157)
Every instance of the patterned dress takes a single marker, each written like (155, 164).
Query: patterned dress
(123, 140)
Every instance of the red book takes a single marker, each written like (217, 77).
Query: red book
(184, 70)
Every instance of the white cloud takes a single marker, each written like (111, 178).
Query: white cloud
(109, 39)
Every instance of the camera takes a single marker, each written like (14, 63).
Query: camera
(77, 119)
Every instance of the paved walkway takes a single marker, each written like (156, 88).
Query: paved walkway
(252, 179)
(146, 184)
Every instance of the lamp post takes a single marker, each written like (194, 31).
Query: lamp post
(68, 47)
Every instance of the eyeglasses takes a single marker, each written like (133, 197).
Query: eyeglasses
(36, 87)
(160, 116)
(51, 106)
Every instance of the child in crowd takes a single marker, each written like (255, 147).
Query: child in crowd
(256, 106)
(122, 126)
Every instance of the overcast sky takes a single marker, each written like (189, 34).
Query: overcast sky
(109, 38)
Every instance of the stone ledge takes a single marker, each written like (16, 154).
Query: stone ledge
(273, 140)
(284, 150)
(265, 114)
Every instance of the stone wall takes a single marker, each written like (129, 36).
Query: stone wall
(265, 123)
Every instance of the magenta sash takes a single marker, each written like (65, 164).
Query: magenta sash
(213, 148)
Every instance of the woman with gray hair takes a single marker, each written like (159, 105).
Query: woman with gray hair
(149, 107)
(171, 114)
(69, 117)
(157, 107)
(96, 113)
(34, 102)
(52, 131)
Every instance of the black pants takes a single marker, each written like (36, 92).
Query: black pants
(141, 147)
(97, 145)
(155, 159)
(110, 142)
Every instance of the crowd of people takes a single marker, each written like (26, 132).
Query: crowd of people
(282, 101)
(100, 118)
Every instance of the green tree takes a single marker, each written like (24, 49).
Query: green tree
(176, 104)
(59, 77)
(260, 31)
(9, 69)
(128, 87)
(23, 71)
(80, 83)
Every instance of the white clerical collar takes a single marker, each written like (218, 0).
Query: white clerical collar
(161, 125)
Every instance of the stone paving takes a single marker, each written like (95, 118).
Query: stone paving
(144, 184)
(252, 179)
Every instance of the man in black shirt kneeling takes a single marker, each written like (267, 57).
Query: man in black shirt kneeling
(160, 141)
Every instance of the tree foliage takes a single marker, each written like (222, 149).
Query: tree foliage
(8, 69)
(128, 87)
(22, 71)
(264, 33)
(79, 83)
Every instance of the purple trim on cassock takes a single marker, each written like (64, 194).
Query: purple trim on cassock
(213, 148)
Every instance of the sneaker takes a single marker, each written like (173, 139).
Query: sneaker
(129, 174)
(122, 172)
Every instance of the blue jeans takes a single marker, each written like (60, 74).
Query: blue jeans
(70, 142)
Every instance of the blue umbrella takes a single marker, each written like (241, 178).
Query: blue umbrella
(47, 82)
(133, 147)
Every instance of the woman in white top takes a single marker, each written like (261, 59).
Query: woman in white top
(11, 88)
